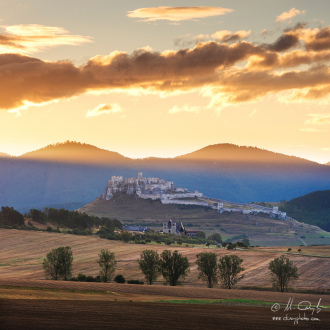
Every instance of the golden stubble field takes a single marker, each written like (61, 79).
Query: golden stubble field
(22, 252)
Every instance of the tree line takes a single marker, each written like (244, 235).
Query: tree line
(173, 266)
(313, 208)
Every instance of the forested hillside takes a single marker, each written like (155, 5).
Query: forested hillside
(313, 208)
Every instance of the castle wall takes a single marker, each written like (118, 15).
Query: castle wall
(177, 201)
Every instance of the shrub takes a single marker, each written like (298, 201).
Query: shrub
(119, 279)
(135, 282)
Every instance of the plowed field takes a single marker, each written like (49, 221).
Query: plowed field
(53, 314)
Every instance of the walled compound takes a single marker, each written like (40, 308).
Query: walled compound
(165, 191)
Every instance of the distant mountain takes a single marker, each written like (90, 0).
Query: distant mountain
(313, 208)
(4, 155)
(74, 152)
(74, 173)
(240, 154)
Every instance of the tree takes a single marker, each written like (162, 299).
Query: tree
(11, 217)
(200, 234)
(215, 237)
(173, 266)
(207, 266)
(125, 236)
(246, 241)
(283, 271)
(150, 265)
(229, 268)
(58, 263)
(108, 263)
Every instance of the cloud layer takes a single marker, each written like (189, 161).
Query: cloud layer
(177, 14)
(33, 38)
(294, 67)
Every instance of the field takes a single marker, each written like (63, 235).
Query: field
(28, 301)
(22, 252)
(262, 231)
(59, 314)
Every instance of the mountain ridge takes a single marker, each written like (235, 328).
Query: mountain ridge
(81, 176)
(72, 151)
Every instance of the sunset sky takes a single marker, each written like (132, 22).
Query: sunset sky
(163, 78)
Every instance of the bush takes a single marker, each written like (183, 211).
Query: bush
(135, 282)
(119, 279)
(50, 229)
(81, 277)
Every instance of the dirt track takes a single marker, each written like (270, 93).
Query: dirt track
(53, 314)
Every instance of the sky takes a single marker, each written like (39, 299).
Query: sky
(164, 78)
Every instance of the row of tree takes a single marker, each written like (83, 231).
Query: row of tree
(173, 266)
(72, 219)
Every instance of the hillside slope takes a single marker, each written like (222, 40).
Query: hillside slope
(261, 230)
(313, 208)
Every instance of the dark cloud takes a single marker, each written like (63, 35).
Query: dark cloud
(284, 42)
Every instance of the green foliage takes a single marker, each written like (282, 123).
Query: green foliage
(126, 236)
(37, 215)
(229, 268)
(283, 271)
(119, 279)
(313, 208)
(11, 217)
(173, 266)
(207, 266)
(108, 263)
(200, 234)
(73, 219)
(58, 263)
(149, 263)
(246, 241)
(215, 237)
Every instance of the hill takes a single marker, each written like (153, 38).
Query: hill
(77, 173)
(260, 229)
(74, 152)
(313, 208)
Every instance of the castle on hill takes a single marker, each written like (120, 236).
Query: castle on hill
(168, 193)
(147, 188)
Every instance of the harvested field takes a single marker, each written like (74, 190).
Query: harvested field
(155, 292)
(22, 252)
(59, 314)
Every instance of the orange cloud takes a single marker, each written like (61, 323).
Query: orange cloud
(33, 38)
(289, 14)
(227, 36)
(177, 14)
(209, 67)
(104, 109)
